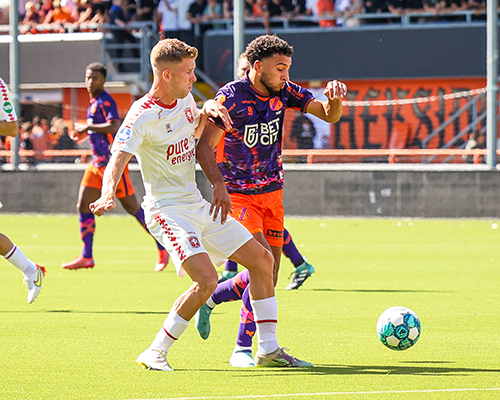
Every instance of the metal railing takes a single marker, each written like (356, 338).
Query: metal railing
(143, 35)
(364, 20)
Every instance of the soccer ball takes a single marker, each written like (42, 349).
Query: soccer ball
(398, 328)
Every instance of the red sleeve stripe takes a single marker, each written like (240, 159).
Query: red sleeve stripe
(267, 321)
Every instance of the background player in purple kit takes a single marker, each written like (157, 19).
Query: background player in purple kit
(102, 124)
(302, 269)
(249, 159)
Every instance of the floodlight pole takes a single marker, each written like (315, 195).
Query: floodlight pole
(491, 81)
(14, 71)
(238, 33)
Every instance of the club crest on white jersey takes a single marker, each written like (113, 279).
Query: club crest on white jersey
(189, 115)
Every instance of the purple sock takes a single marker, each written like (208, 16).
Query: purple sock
(87, 229)
(246, 330)
(139, 216)
(232, 289)
(290, 251)
(231, 266)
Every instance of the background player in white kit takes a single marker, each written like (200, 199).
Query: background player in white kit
(160, 130)
(33, 273)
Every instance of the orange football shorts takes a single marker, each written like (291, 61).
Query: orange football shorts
(261, 213)
(93, 178)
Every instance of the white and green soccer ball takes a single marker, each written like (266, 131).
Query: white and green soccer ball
(398, 328)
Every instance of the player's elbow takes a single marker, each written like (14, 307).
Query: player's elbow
(115, 125)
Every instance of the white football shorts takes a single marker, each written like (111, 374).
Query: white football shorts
(190, 230)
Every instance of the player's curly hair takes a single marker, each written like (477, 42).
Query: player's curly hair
(266, 46)
(97, 67)
(172, 50)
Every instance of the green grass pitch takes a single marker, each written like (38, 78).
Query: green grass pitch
(80, 338)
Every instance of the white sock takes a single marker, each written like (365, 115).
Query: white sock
(173, 327)
(17, 258)
(210, 303)
(265, 312)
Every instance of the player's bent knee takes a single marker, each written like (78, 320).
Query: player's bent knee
(263, 263)
(206, 287)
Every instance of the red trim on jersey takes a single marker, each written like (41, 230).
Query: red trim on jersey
(261, 96)
(267, 321)
(159, 103)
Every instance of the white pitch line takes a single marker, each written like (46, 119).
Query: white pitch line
(330, 394)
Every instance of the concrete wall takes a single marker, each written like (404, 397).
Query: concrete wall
(61, 58)
(324, 190)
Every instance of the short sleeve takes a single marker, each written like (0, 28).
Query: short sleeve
(129, 135)
(225, 98)
(298, 97)
(110, 109)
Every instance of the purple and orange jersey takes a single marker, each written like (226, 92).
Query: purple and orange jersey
(249, 156)
(101, 109)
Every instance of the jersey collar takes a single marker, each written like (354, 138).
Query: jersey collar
(159, 103)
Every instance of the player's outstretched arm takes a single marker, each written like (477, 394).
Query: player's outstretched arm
(112, 175)
(221, 201)
(329, 110)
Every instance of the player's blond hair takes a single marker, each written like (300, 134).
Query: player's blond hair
(171, 51)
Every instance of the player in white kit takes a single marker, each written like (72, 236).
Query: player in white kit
(33, 273)
(160, 130)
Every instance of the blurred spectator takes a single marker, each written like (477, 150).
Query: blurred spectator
(324, 8)
(166, 18)
(213, 10)
(144, 10)
(277, 8)
(476, 141)
(185, 27)
(65, 143)
(31, 18)
(195, 11)
(59, 18)
(303, 132)
(120, 33)
(348, 8)
(300, 9)
(25, 142)
(396, 6)
(90, 16)
(40, 137)
(375, 7)
(44, 9)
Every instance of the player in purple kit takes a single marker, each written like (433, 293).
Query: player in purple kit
(302, 269)
(102, 124)
(249, 159)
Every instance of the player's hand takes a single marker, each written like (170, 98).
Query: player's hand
(216, 110)
(80, 128)
(74, 135)
(221, 202)
(102, 204)
(335, 90)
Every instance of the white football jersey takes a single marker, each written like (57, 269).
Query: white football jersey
(7, 112)
(162, 139)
